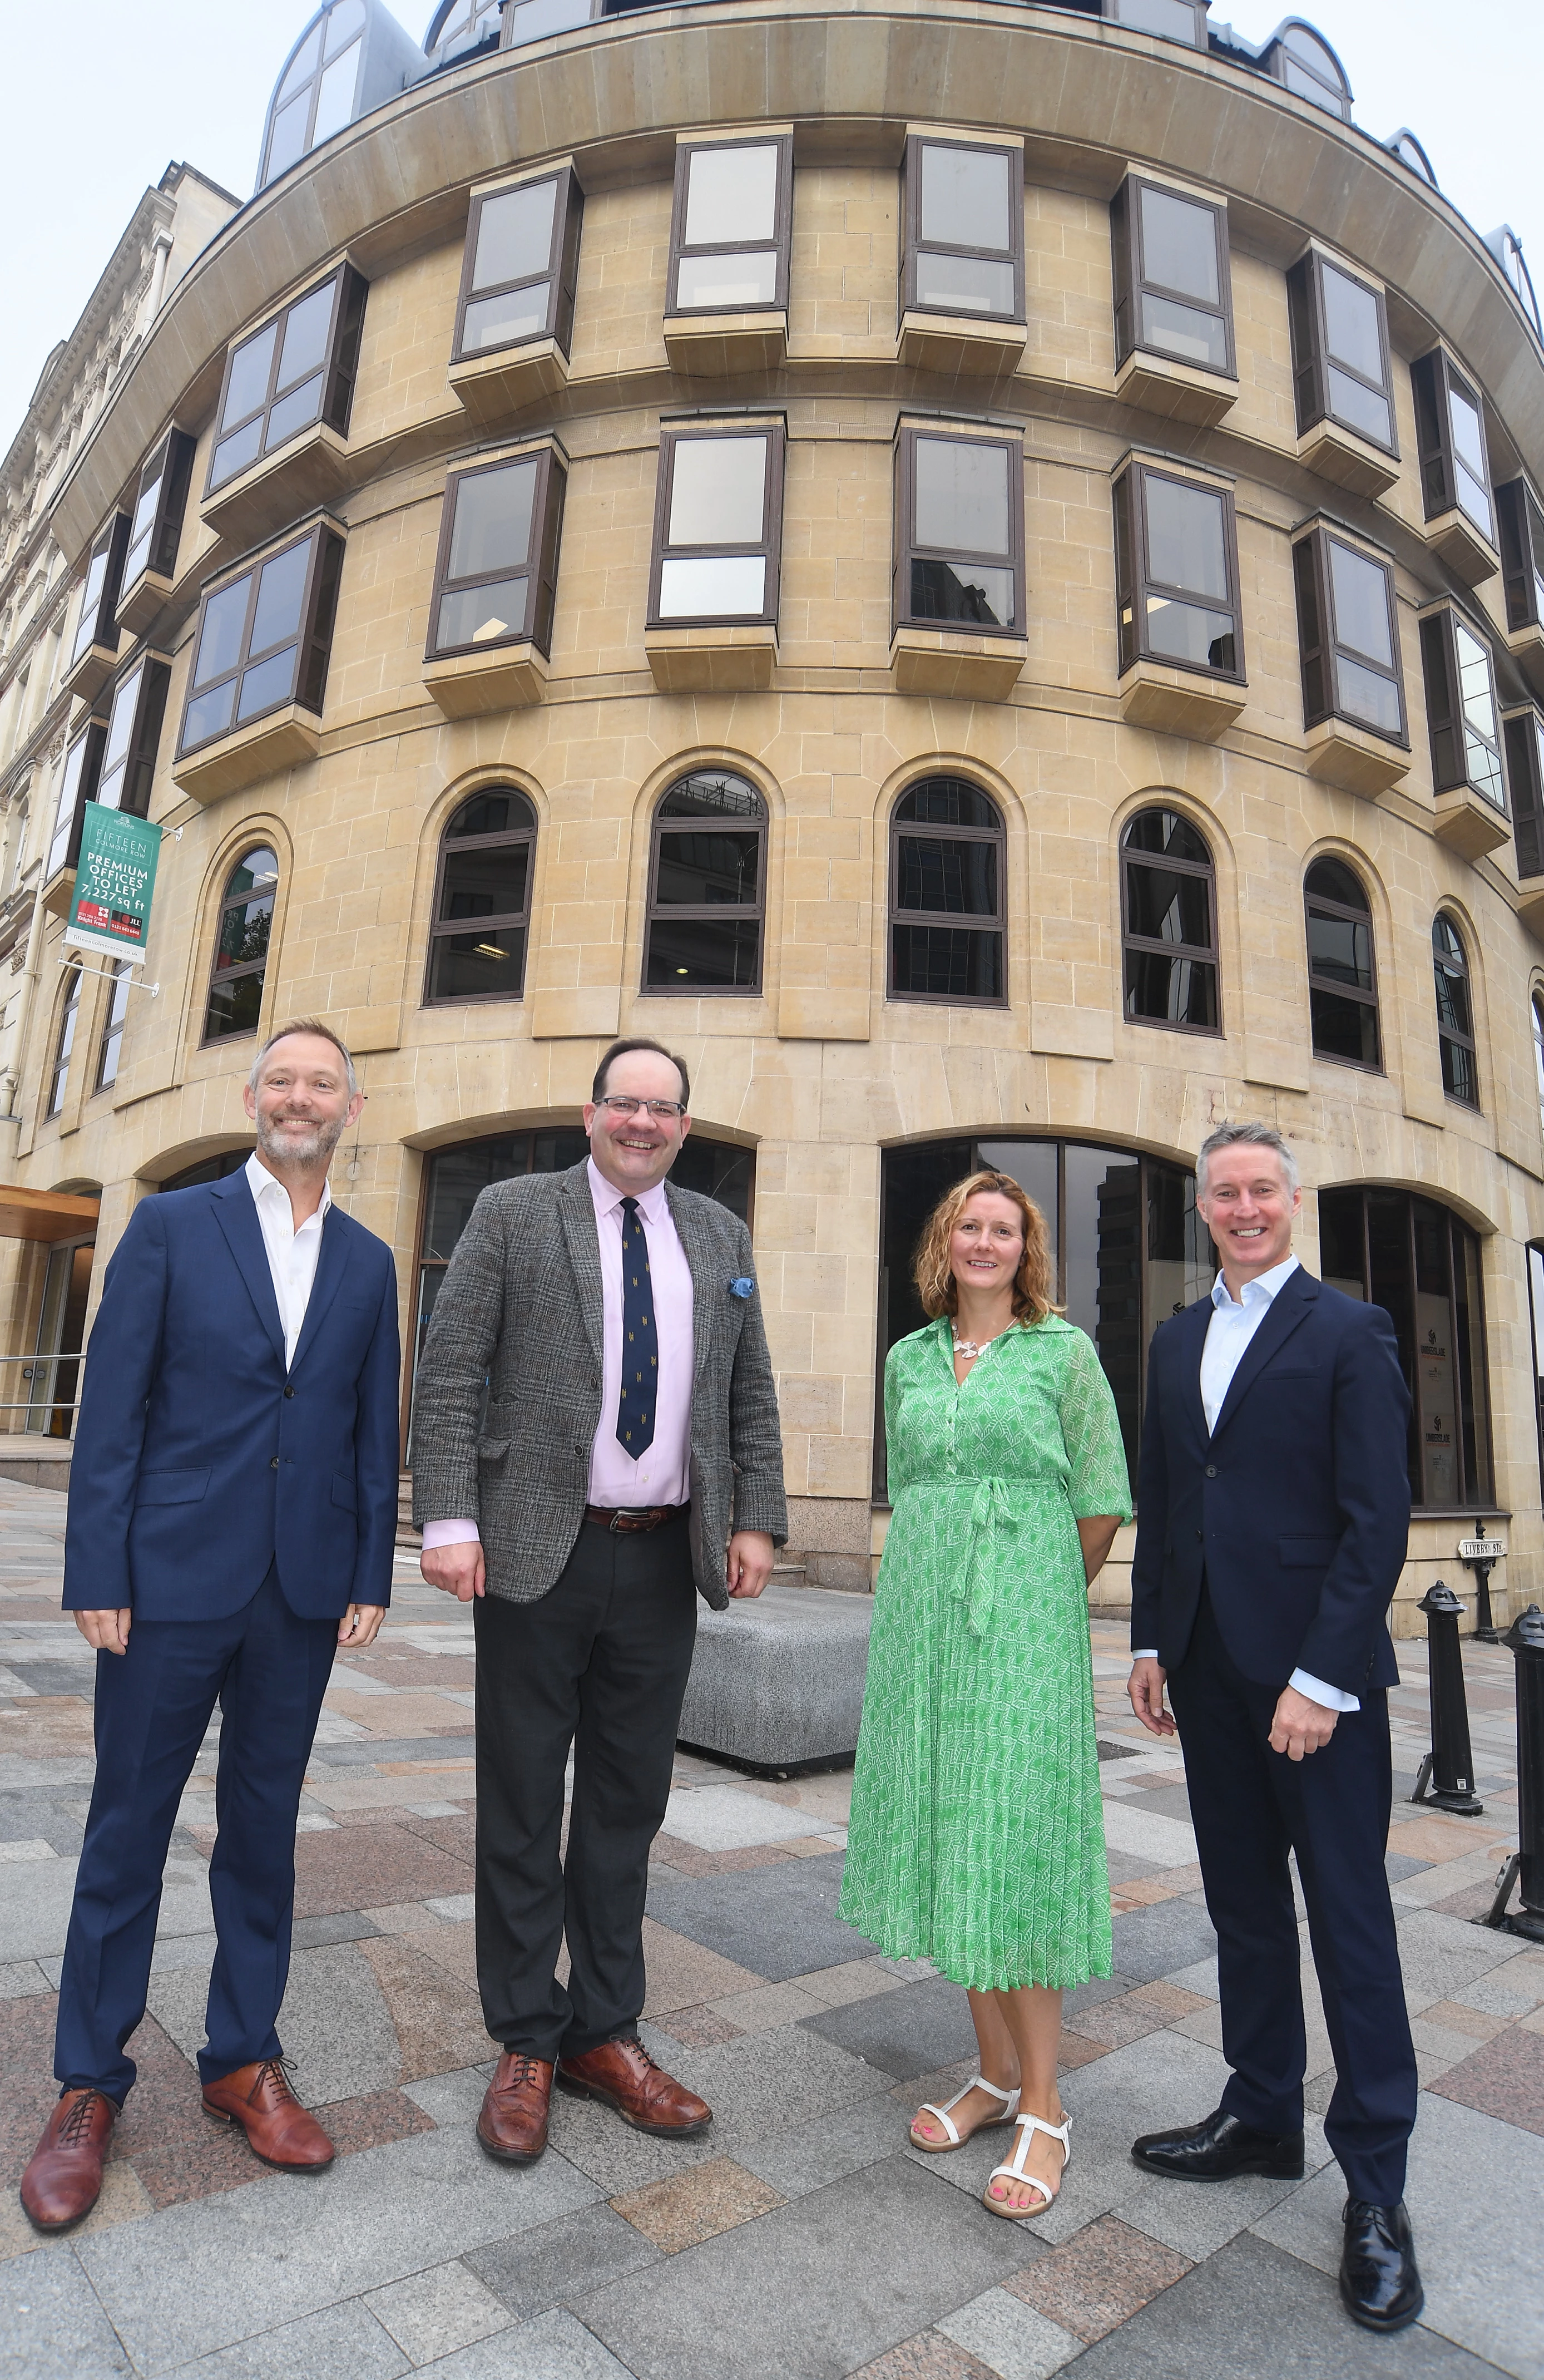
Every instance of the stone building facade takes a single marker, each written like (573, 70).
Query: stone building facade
(978, 569)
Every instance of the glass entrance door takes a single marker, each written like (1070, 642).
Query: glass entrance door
(54, 1372)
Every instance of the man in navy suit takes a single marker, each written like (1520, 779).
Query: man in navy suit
(232, 1515)
(1274, 1506)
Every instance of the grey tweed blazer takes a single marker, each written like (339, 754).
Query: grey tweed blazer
(519, 1308)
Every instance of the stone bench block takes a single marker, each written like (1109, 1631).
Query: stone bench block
(779, 1681)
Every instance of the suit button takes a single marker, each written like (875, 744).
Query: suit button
(1200, 1537)
(288, 1390)
(1212, 1471)
(274, 1464)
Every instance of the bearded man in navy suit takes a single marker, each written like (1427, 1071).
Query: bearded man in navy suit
(232, 1516)
(1273, 1511)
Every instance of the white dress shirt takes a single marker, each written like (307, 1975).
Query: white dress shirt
(292, 1254)
(1232, 1324)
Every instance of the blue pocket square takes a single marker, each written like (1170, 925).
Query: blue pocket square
(743, 1287)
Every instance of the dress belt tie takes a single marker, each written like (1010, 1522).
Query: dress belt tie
(990, 1510)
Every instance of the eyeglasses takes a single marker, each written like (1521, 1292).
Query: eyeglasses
(665, 1110)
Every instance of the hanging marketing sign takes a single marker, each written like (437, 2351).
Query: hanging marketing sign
(115, 877)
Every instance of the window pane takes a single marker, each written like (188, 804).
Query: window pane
(346, 19)
(303, 65)
(1167, 907)
(735, 280)
(1186, 537)
(712, 797)
(1344, 1029)
(493, 529)
(1351, 329)
(281, 592)
(499, 322)
(1333, 880)
(224, 617)
(1175, 19)
(701, 870)
(1183, 632)
(1180, 246)
(90, 603)
(235, 453)
(699, 950)
(234, 1007)
(958, 878)
(964, 284)
(1460, 1078)
(295, 412)
(121, 721)
(1364, 695)
(144, 514)
(492, 814)
(305, 348)
(1473, 498)
(250, 366)
(485, 884)
(1340, 949)
(731, 194)
(257, 870)
(1361, 409)
(961, 500)
(270, 683)
(946, 801)
(1180, 331)
(287, 141)
(727, 586)
(478, 967)
(335, 97)
(478, 614)
(209, 714)
(1361, 600)
(1468, 442)
(1165, 831)
(970, 591)
(1308, 86)
(1173, 992)
(948, 963)
(967, 197)
(717, 492)
(515, 234)
(244, 932)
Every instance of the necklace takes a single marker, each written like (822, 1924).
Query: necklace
(968, 1348)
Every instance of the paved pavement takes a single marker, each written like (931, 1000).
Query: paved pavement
(802, 2239)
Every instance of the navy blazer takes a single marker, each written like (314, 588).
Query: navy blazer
(200, 1459)
(1295, 1508)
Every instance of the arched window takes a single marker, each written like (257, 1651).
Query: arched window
(460, 27)
(1456, 1022)
(241, 946)
(708, 886)
(113, 1027)
(946, 894)
(316, 97)
(69, 1015)
(1169, 923)
(1536, 1009)
(1304, 61)
(1403, 145)
(209, 1169)
(1343, 985)
(482, 900)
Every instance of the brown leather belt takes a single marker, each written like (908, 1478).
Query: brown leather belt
(645, 1516)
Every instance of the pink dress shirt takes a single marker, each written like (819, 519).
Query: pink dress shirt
(661, 1474)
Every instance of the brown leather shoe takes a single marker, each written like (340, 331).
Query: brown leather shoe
(278, 2129)
(64, 2180)
(625, 2076)
(512, 2124)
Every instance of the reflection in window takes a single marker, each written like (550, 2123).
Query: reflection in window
(156, 528)
(461, 25)
(113, 1027)
(1416, 1261)
(1176, 571)
(1304, 61)
(1172, 291)
(1455, 1023)
(482, 900)
(128, 757)
(316, 97)
(959, 532)
(1450, 442)
(1340, 350)
(1461, 707)
(729, 227)
(946, 894)
(1342, 987)
(718, 526)
(99, 597)
(68, 1017)
(1403, 145)
(208, 1169)
(1177, 20)
(241, 946)
(1524, 770)
(708, 886)
(1348, 637)
(77, 787)
(297, 370)
(964, 230)
(495, 580)
(264, 640)
(1522, 528)
(1169, 921)
(522, 263)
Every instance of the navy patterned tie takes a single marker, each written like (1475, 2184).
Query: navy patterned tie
(640, 1356)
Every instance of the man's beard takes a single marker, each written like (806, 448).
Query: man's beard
(315, 1148)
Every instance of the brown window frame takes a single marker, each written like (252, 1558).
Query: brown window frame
(1312, 361)
(673, 435)
(142, 687)
(109, 1041)
(78, 785)
(1447, 722)
(908, 551)
(445, 930)
(1319, 647)
(693, 913)
(1365, 996)
(167, 477)
(1139, 946)
(913, 245)
(560, 272)
(1523, 736)
(64, 1043)
(540, 569)
(782, 237)
(313, 643)
(1134, 584)
(1521, 519)
(1276, 50)
(245, 968)
(98, 623)
(959, 921)
(339, 371)
(1434, 379)
(1455, 1041)
(1131, 282)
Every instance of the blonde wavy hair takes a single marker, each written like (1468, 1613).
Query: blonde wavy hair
(1036, 1280)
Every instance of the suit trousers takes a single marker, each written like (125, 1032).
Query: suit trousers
(600, 1662)
(268, 1669)
(1250, 1806)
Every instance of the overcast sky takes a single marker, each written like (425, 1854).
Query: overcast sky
(104, 92)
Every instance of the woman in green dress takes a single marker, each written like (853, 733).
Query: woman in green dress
(977, 1836)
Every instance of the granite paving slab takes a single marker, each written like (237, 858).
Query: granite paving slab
(430, 2314)
(580, 2251)
(1163, 1940)
(372, 1865)
(829, 2147)
(340, 2342)
(726, 1817)
(335, 2023)
(1014, 2340)
(908, 2031)
(1099, 2278)
(697, 2204)
(52, 2324)
(778, 1924)
(1504, 2078)
(554, 2347)
(929, 2356)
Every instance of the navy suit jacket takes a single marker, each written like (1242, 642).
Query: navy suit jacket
(199, 1458)
(1295, 1509)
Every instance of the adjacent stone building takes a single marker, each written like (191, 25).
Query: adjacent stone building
(977, 568)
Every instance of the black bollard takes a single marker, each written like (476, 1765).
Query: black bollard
(1450, 1760)
(1524, 1639)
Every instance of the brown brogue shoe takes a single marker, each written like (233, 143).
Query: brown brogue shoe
(513, 2125)
(278, 2129)
(63, 2181)
(625, 2076)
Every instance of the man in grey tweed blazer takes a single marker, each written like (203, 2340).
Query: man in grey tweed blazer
(628, 1457)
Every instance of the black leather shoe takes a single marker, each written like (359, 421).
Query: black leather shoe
(1379, 2283)
(1217, 2149)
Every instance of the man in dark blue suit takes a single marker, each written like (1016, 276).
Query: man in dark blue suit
(232, 1514)
(1273, 1511)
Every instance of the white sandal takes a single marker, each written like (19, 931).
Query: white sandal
(1009, 2102)
(1014, 2169)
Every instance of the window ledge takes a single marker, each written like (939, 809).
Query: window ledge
(1178, 392)
(961, 345)
(1526, 648)
(1178, 702)
(1336, 453)
(311, 470)
(507, 677)
(725, 659)
(59, 893)
(276, 741)
(144, 603)
(85, 680)
(713, 345)
(1455, 539)
(492, 386)
(1340, 753)
(1468, 824)
(1530, 906)
(961, 663)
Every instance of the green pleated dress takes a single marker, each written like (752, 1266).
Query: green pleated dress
(977, 1836)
